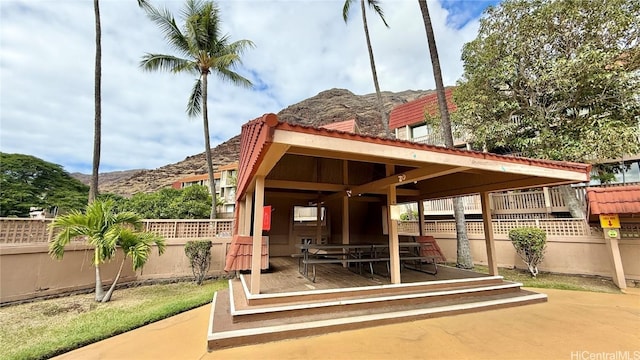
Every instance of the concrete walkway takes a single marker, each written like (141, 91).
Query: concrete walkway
(572, 325)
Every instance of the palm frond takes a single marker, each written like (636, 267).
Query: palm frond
(375, 5)
(129, 218)
(167, 24)
(194, 106)
(144, 4)
(345, 10)
(137, 245)
(233, 77)
(155, 62)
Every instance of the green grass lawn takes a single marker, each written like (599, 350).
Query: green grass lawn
(47, 328)
(555, 281)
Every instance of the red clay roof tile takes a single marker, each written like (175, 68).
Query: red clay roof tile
(413, 112)
(614, 200)
(345, 126)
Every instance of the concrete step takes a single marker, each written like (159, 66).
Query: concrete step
(353, 300)
(224, 332)
(356, 292)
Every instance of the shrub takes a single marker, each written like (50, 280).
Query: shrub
(199, 254)
(530, 244)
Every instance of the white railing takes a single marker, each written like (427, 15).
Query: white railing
(552, 227)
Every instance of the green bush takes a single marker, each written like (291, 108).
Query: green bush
(199, 254)
(530, 244)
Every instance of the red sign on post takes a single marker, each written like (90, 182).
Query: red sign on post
(266, 218)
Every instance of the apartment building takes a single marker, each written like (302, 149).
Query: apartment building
(225, 183)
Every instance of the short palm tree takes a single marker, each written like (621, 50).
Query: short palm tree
(202, 50)
(375, 5)
(105, 230)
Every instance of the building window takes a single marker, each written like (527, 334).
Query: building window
(420, 131)
(308, 215)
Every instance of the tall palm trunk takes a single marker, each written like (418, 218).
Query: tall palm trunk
(464, 259)
(383, 114)
(93, 189)
(97, 126)
(207, 145)
(571, 201)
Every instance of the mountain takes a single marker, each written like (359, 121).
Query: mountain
(327, 107)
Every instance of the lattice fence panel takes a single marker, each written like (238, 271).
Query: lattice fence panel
(630, 231)
(24, 231)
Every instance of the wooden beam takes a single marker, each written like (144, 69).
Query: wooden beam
(362, 157)
(256, 253)
(313, 188)
(274, 154)
(303, 185)
(394, 152)
(427, 172)
(492, 263)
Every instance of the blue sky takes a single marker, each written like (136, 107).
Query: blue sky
(302, 48)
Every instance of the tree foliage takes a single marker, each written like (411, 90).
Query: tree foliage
(199, 254)
(554, 79)
(193, 202)
(27, 181)
(204, 50)
(105, 229)
(530, 244)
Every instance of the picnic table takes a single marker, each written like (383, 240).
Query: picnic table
(361, 255)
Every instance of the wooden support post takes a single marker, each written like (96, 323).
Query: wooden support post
(488, 234)
(248, 201)
(421, 217)
(242, 209)
(256, 254)
(614, 255)
(394, 243)
(345, 206)
(318, 221)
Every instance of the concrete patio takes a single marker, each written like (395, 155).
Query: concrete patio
(571, 325)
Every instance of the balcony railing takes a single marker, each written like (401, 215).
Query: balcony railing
(552, 227)
(538, 202)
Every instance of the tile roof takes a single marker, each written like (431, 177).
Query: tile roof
(413, 112)
(240, 254)
(345, 126)
(614, 200)
(255, 139)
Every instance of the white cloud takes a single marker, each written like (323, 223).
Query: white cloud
(302, 48)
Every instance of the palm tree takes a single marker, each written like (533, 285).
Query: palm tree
(464, 259)
(97, 91)
(204, 50)
(374, 4)
(105, 230)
